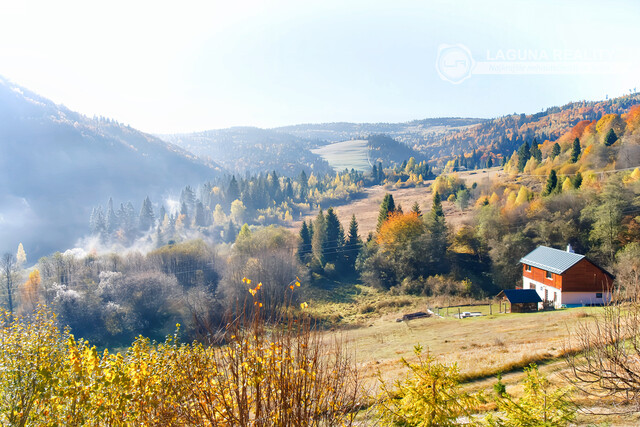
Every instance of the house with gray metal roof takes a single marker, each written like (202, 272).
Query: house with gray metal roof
(565, 278)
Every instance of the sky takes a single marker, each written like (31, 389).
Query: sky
(169, 67)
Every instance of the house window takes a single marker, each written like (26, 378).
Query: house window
(527, 267)
(548, 275)
(598, 295)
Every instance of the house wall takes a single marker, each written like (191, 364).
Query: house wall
(538, 275)
(552, 293)
(563, 297)
(585, 298)
(585, 276)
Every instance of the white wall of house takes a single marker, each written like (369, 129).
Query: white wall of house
(546, 292)
(567, 298)
(585, 298)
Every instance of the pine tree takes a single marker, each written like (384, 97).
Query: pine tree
(188, 197)
(352, 245)
(436, 250)
(552, 183)
(575, 151)
(199, 217)
(304, 184)
(374, 173)
(318, 241)
(524, 154)
(147, 218)
(386, 207)
(111, 219)
(535, 151)
(304, 247)
(577, 181)
(381, 174)
(333, 243)
(233, 191)
(97, 221)
(611, 138)
(416, 209)
(555, 151)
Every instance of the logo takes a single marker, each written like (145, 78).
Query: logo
(454, 63)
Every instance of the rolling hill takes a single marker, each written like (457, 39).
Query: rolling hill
(56, 164)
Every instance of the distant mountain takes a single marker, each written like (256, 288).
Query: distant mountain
(56, 164)
(287, 150)
(250, 149)
(409, 133)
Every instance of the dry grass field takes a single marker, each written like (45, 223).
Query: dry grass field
(482, 347)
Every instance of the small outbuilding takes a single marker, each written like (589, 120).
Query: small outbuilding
(521, 300)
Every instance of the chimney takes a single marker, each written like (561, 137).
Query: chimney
(570, 249)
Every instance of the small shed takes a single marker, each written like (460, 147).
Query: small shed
(521, 300)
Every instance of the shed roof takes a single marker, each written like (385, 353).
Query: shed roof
(521, 296)
(549, 259)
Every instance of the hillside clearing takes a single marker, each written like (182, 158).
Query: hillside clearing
(353, 154)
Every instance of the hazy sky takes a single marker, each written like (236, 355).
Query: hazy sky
(188, 66)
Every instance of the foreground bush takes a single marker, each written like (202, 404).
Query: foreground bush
(261, 376)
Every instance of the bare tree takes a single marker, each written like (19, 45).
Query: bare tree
(8, 265)
(607, 364)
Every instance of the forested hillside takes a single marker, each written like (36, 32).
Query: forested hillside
(499, 137)
(55, 164)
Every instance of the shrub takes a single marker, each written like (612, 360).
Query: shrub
(429, 396)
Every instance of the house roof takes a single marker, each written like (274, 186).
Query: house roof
(549, 259)
(521, 296)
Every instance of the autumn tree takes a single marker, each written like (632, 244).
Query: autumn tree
(30, 292)
(8, 266)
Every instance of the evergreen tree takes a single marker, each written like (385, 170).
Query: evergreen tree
(352, 245)
(575, 151)
(188, 197)
(199, 216)
(374, 173)
(524, 154)
(552, 183)
(147, 218)
(435, 252)
(304, 184)
(112, 221)
(399, 209)
(416, 209)
(333, 242)
(555, 151)
(304, 247)
(388, 206)
(97, 221)
(319, 239)
(233, 191)
(489, 162)
(611, 138)
(577, 181)
(436, 209)
(535, 151)
(381, 174)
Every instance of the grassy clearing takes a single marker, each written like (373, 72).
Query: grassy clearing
(365, 320)
(346, 155)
